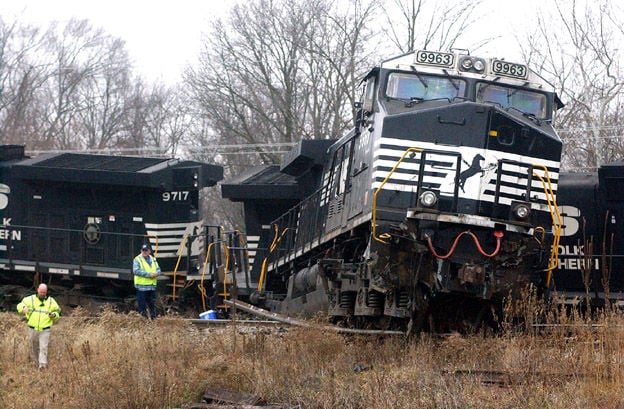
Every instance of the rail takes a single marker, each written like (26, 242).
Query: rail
(301, 323)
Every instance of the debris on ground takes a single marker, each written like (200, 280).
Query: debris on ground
(227, 399)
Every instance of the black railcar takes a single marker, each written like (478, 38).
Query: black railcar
(591, 250)
(76, 221)
(437, 204)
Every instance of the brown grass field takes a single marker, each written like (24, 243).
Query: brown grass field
(124, 361)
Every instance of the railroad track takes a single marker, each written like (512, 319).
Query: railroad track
(269, 318)
(259, 312)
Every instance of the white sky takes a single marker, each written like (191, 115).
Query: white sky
(163, 36)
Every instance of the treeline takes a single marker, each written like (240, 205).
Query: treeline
(73, 87)
(276, 71)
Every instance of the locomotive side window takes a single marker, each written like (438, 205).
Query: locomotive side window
(525, 101)
(340, 169)
(407, 86)
(369, 95)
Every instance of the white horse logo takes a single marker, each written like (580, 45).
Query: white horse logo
(4, 198)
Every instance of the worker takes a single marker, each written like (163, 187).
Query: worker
(41, 312)
(146, 271)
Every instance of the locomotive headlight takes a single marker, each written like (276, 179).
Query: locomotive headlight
(428, 199)
(479, 65)
(472, 64)
(466, 63)
(521, 211)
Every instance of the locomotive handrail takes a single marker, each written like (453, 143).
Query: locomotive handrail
(227, 264)
(243, 246)
(556, 219)
(543, 231)
(276, 239)
(175, 270)
(374, 208)
(202, 291)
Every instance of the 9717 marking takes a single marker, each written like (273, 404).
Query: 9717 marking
(178, 196)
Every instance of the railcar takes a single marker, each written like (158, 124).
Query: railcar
(439, 203)
(76, 221)
(590, 270)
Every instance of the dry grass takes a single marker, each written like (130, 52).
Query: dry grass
(123, 361)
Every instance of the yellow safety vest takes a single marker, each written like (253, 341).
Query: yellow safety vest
(140, 280)
(39, 310)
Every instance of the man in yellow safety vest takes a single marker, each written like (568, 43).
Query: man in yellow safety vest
(41, 311)
(146, 271)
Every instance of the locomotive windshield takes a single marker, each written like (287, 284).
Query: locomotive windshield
(423, 87)
(525, 101)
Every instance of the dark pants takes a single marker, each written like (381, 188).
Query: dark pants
(146, 301)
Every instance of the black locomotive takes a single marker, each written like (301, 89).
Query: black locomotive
(439, 203)
(76, 221)
(591, 251)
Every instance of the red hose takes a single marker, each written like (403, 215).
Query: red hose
(498, 234)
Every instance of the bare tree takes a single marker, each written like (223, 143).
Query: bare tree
(584, 62)
(273, 73)
(169, 121)
(20, 78)
(85, 65)
(428, 24)
(280, 71)
(71, 87)
(101, 100)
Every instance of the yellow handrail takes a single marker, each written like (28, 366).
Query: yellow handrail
(374, 210)
(556, 219)
(202, 291)
(276, 239)
(175, 270)
(227, 263)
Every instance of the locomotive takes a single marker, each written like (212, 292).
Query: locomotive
(439, 202)
(590, 271)
(76, 221)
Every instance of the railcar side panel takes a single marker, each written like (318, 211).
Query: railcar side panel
(77, 220)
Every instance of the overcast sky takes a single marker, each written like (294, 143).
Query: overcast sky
(163, 36)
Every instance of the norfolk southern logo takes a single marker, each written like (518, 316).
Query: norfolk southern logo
(474, 168)
(5, 229)
(4, 196)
